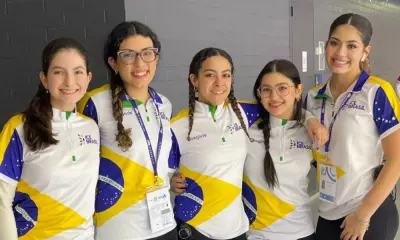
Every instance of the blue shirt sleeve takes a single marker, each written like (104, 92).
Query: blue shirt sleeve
(252, 111)
(87, 107)
(386, 110)
(174, 154)
(11, 151)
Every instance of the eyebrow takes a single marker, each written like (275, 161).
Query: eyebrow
(267, 85)
(212, 70)
(75, 68)
(351, 41)
(57, 67)
(79, 67)
(128, 49)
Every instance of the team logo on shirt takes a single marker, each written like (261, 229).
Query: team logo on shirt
(260, 141)
(86, 139)
(299, 145)
(354, 105)
(234, 127)
(162, 114)
(128, 112)
(198, 137)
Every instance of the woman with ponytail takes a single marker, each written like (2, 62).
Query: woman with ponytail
(362, 113)
(136, 140)
(49, 155)
(275, 189)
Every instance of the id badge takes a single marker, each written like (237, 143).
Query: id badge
(160, 209)
(327, 183)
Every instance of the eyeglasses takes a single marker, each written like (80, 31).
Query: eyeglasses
(282, 90)
(148, 55)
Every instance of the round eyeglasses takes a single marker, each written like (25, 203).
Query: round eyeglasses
(148, 55)
(282, 90)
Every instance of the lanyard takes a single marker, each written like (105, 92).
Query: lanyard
(345, 100)
(154, 159)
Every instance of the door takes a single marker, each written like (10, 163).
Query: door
(303, 53)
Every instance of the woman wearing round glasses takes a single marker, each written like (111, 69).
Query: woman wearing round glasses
(278, 160)
(133, 190)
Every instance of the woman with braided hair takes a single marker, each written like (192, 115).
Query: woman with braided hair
(211, 137)
(135, 140)
(275, 189)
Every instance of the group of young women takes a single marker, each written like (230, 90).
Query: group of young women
(101, 165)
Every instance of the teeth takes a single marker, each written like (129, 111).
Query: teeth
(275, 105)
(140, 73)
(69, 91)
(340, 62)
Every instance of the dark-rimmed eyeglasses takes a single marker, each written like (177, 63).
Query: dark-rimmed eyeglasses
(148, 55)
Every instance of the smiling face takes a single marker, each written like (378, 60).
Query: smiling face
(345, 50)
(214, 80)
(67, 79)
(130, 64)
(278, 95)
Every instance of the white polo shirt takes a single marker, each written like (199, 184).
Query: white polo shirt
(281, 213)
(121, 206)
(55, 187)
(212, 163)
(371, 114)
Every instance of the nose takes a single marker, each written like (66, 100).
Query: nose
(274, 95)
(69, 80)
(138, 61)
(341, 50)
(218, 81)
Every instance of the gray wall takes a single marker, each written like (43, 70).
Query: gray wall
(27, 25)
(385, 20)
(252, 32)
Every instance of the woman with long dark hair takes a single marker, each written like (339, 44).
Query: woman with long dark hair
(136, 140)
(362, 113)
(49, 154)
(275, 189)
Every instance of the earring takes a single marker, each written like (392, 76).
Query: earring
(116, 71)
(363, 57)
(195, 89)
(47, 90)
